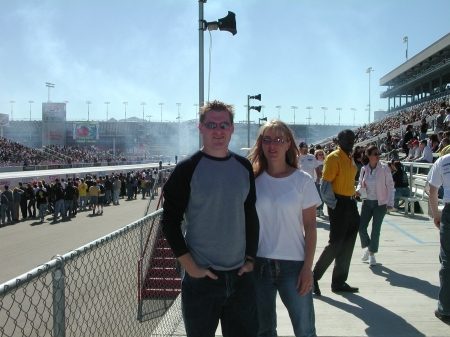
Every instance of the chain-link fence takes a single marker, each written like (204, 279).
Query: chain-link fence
(98, 289)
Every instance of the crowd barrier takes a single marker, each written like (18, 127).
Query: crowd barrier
(99, 289)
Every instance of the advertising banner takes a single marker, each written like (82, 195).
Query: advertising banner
(4, 120)
(85, 132)
(53, 123)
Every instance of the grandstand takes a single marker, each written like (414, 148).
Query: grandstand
(155, 139)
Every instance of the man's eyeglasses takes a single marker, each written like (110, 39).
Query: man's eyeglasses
(276, 141)
(212, 125)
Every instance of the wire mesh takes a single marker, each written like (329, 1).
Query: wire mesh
(99, 283)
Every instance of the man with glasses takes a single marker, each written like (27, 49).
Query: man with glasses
(214, 190)
(338, 193)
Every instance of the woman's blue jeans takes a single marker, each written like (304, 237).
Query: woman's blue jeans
(320, 208)
(444, 256)
(400, 192)
(371, 210)
(281, 275)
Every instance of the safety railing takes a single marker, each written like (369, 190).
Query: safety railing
(90, 291)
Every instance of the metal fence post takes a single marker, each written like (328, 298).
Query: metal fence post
(59, 300)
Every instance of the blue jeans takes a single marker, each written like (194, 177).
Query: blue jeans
(116, 196)
(143, 190)
(3, 212)
(83, 203)
(59, 208)
(400, 192)
(107, 196)
(281, 275)
(230, 299)
(370, 209)
(68, 207)
(444, 272)
(42, 209)
(320, 208)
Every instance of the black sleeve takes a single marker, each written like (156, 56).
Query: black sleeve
(251, 216)
(176, 198)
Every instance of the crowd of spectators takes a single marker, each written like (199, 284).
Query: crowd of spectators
(16, 154)
(399, 121)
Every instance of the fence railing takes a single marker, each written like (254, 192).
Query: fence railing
(91, 291)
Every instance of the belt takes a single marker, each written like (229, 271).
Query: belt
(340, 196)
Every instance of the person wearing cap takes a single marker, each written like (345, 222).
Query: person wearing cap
(439, 175)
(308, 163)
(415, 150)
(427, 155)
(338, 193)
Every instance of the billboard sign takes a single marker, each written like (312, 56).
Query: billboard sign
(4, 120)
(53, 123)
(85, 132)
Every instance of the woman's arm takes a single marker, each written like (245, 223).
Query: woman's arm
(305, 278)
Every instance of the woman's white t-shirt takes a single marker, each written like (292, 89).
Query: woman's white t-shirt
(279, 203)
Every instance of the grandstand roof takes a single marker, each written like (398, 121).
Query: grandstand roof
(428, 57)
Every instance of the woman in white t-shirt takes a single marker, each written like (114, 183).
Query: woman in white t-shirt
(286, 204)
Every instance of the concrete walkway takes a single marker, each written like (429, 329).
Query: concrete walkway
(396, 298)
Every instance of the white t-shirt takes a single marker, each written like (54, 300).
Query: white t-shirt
(279, 203)
(308, 163)
(440, 175)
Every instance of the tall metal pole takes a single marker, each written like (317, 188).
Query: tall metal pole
(107, 104)
(339, 109)
(353, 109)
(143, 105)
(248, 121)
(196, 110)
(178, 106)
(294, 107)
(125, 104)
(49, 85)
(309, 114)
(88, 103)
(278, 107)
(369, 70)
(324, 116)
(201, 93)
(30, 101)
(161, 104)
(12, 110)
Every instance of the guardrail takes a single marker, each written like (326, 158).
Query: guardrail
(90, 291)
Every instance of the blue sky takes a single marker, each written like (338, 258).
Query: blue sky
(293, 53)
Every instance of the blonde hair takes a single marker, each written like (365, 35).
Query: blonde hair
(257, 157)
(319, 151)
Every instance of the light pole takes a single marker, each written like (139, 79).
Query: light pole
(369, 70)
(149, 117)
(107, 104)
(257, 108)
(405, 40)
(125, 104)
(49, 85)
(353, 109)
(339, 109)
(278, 107)
(30, 101)
(178, 107)
(88, 103)
(294, 107)
(143, 105)
(12, 110)
(309, 114)
(228, 24)
(262, 110)
(161, 104)
(324, 117)
(66, 102)
(196, 110)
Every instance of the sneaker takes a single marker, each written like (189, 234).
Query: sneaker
(441, 316)
(365, 256)
(372, 260)
(394, 209)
